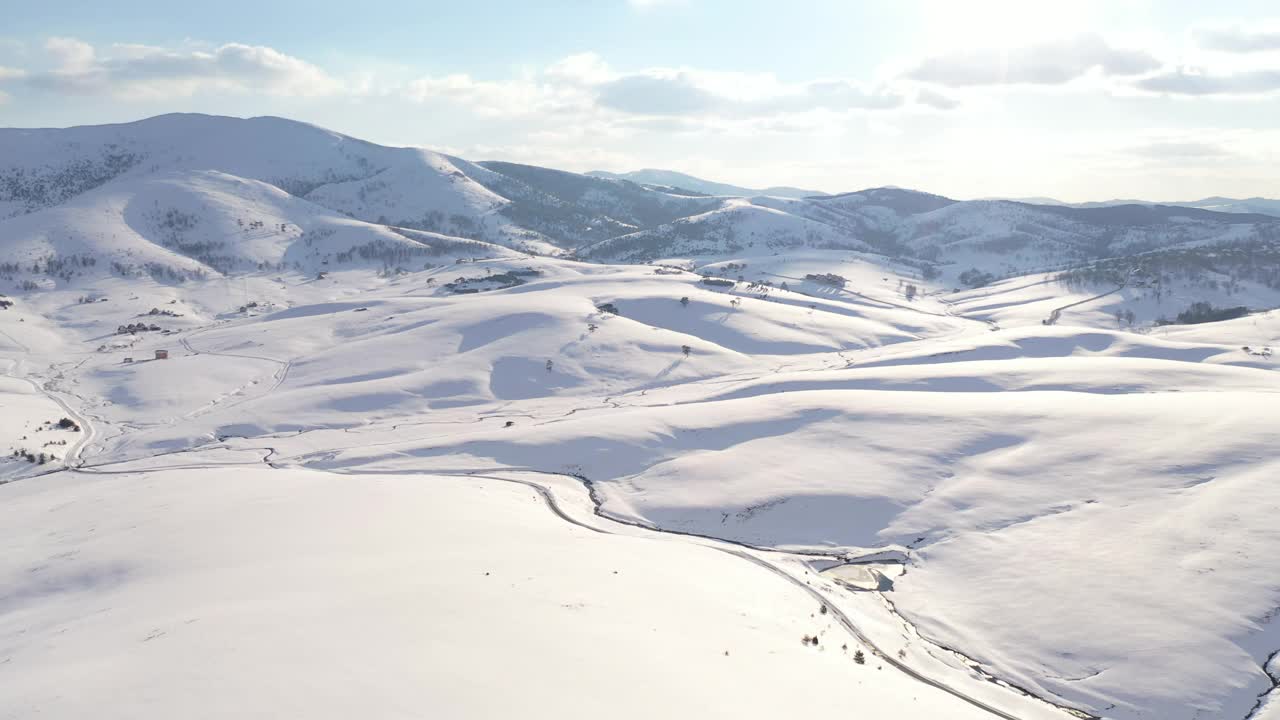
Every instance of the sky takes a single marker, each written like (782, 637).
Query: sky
(1077, 100)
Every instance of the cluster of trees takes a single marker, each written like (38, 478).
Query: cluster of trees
(176, 220)
(831, 279)
(48, 186)
(300, 187)
(498, 281)
(1203, 312)
(436, 221)
(389, 253)
(975, 278)
(62, 267)
(134, 328)
(34, 458)
(1217, 267)
(158, 272)
(172, 226)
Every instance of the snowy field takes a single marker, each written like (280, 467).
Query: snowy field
(348, 414)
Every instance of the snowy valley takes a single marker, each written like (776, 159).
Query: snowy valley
(354, 430)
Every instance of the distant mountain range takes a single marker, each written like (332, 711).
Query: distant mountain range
(672, 180)
(183, 195)
(1258, 205)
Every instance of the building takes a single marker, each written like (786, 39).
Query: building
(162, 354)
(128, 361)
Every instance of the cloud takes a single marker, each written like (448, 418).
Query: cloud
(145, 71)
(69, 53)
(1181, 150)
(1186, 81)
(1237, 39)
(735, 95)
(936, 100)
(658, 93)
(493, 98)
(582, 87)
(581, 69)
(1048, 63)
(584, 84)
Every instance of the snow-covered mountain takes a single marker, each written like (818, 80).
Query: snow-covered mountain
(331, 429)
(1254, 205)
(530, 209)
(681, 181)
(401, 187)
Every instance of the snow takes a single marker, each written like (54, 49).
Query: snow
(23, 426)
(307, 494)
(387, 595)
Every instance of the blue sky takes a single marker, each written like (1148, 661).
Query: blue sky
(1081, 100)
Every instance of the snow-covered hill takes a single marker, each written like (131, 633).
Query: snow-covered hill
(737, 227)
(330, 429)
(182, 224)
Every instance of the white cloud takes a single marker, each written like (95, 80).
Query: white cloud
(1182, 150)
(658, 92)
(8, 73)
(582, 69)
(684, 91)
(1239, 39)
(70, 54)
(145, 71)
(1051, 62)
(487, 98)
(585, 86)
(936, 100)
(1196, 82)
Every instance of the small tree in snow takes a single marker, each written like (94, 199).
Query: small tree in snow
(685, 301)
(686, 350)
(859, 658)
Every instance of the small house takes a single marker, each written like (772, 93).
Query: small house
(162, 354)
(128, 361)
